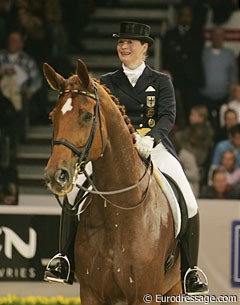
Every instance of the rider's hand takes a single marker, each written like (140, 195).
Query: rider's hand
(144, 145)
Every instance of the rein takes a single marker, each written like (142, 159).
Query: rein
(123, 190)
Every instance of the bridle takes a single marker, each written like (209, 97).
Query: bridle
(83, 155)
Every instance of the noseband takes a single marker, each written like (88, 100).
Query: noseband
(83, 153)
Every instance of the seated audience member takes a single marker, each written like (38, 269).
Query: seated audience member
(220, 189)
(230, 120)
(232, 143)
(198, 114)
(228, 163)
(234, 104)
(197, 138)
(189, 164)
(18, 69)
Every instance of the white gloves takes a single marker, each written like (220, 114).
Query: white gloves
(144, 145)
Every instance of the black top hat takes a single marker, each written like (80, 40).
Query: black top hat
(134, 30)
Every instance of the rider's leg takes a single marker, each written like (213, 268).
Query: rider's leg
(61, 266)
(169, 165)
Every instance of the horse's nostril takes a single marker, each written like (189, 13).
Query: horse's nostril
(62, 177)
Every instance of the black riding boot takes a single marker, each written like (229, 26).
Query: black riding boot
(194, 280)
(60, 267)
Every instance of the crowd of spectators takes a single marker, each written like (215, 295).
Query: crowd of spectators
(32, 32)
(206, 81)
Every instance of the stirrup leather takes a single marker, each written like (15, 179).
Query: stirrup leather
(49, 269)
(202, 275)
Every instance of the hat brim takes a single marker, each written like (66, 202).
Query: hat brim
(149, 40)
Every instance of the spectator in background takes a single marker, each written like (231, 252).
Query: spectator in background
(189, 164)
(220, 189)
(233, 143)
(19, 69)
(199, 114)
(220, 68)
(230, 119)
(181, 57)
(228, 163)
(234, 103)
(197, 138)
(222, 9)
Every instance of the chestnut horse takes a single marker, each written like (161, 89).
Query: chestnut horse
(126, 232)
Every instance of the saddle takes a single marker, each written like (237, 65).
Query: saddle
(178, 207)
(176, 201)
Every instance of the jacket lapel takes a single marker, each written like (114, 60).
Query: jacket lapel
(144, 80)
(122, 82)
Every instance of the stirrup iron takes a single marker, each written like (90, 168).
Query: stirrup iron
(202, 275)
(49, 278)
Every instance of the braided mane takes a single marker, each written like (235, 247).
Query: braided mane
(121, 108)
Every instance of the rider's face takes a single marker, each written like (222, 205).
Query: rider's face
(131, 52)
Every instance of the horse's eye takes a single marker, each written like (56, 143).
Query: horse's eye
(87, 117)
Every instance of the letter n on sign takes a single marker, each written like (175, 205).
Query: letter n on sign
(235, 268)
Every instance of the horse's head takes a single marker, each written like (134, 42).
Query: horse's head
(77, 134)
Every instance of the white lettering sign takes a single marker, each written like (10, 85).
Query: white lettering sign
(12, 240)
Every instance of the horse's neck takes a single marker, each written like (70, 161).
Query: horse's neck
(120, 165)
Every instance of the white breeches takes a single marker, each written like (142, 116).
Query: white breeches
(167, 164)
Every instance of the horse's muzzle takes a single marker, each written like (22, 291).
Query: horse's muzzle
(60, 181)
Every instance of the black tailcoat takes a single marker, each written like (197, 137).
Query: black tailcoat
(150, 104)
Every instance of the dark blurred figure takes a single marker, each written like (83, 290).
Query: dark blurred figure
(57, 38)
(27, 16)
(220, 189)
(221, 73)
(76, 16)
(8, 170)
(222, 9)
(181, 58)
(5, 20)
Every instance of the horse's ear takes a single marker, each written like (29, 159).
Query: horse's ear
(83, 74)
(53, 78)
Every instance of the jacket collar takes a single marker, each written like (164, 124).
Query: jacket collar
(121, 81)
